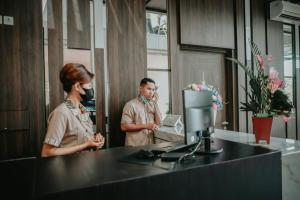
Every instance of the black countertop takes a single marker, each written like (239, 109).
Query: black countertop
(88, 171)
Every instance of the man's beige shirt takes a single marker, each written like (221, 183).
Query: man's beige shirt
(135, 112)
(65, 129)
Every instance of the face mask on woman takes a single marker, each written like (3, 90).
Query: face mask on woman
(89, 94)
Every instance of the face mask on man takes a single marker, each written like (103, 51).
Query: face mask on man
(89, 94)
(144, 100)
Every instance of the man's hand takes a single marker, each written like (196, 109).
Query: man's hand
(155, 97)
(152, 126)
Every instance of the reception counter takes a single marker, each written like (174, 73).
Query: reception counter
(290, 151)
(241, 171)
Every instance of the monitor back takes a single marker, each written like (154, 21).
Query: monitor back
(197, 113)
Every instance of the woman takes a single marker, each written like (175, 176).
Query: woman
(70, 128)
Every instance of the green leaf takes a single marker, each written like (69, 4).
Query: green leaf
(248, 71)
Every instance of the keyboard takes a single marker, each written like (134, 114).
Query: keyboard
(172, 148)
(181, 147)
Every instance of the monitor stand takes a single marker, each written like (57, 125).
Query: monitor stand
(208, 147)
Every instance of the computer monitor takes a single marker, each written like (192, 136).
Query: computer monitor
(198, 120)
(197, 113)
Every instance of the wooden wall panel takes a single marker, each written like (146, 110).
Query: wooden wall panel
(188, 64)
(78, 23)
(55, 52)
(258, 24)
(126, 47)
(100, 88)
(13, 73)
(15, 144)
(22, 79)
(207, 23)
(240, 49)
(258, 14)
(231, 92)
(196, 63)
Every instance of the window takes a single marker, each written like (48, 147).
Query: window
(289, 52)
(157, 56)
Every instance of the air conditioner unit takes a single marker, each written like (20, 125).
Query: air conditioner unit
(284, 11)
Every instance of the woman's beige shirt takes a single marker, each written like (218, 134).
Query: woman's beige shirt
(68, 127)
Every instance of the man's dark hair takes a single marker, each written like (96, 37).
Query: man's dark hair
(144, 81)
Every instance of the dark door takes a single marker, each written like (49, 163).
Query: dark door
(21, 75)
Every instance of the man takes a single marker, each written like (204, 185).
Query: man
(141, 116)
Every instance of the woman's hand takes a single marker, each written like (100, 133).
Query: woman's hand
(100, 138)
(96, 142)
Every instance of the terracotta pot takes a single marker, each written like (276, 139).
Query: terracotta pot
(262, 128)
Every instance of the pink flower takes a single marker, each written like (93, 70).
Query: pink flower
(273, 74)
(201, 87)
(261, 61)
(274, 81)
(285, 118)
(273, 87)
(270, 57)
(215, 106)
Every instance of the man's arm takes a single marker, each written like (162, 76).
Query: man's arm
(157, 117)
(137, 127)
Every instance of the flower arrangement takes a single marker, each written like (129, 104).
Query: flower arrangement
(216, 97)
(267, 96)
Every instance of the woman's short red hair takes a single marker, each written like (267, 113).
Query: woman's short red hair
(72, 73)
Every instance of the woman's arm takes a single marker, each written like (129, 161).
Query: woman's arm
(50, 150)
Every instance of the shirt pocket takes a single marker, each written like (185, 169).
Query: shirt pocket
(73, 130)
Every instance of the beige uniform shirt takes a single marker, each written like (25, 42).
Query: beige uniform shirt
(136, 112)
(68, 127)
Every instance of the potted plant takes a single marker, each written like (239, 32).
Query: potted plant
(266, 97)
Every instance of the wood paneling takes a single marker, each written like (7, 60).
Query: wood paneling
(258, 17)
(100, 88)
(55, 52)
(231, 92)
(258, 24)
(187, 65)
(196, 63)
(13, 73)
(240, 49)
(78, 23)
(207, 23)
(22, 80)
(126, 47)
(14, 120)
(15, 144)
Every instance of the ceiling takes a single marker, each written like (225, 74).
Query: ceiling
(156, 4)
